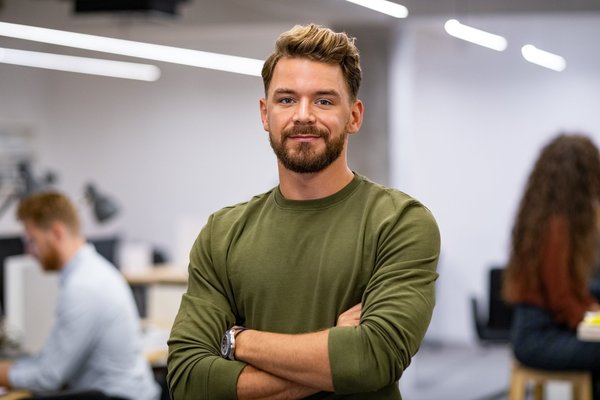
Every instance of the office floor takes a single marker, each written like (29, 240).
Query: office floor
(462, 372)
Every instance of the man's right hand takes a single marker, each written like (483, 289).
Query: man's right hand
(350, 317)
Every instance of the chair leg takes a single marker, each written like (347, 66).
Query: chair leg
(583, 389)
(517, 386)
(538, 390)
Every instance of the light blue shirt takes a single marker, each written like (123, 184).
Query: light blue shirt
(95, 342)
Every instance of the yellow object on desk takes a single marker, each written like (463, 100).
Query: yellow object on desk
(589, 329)
(592, 317)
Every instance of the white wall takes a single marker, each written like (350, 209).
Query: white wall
(170, 152)
(474, 123)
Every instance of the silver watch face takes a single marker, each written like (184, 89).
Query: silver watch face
(225, 345)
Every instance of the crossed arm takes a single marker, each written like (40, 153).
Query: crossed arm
(367, 357)
(287, 366)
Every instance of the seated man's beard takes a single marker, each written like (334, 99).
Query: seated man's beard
(303, 158)
(51, 260)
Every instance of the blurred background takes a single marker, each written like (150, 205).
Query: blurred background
(454, 124)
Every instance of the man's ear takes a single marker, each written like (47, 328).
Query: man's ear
(57, 231)
(263, 113)
(356, 117)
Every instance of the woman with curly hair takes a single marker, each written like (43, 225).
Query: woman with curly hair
(553, 255)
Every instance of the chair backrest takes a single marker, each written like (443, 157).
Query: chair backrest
(73, 395)
(500, 312)
(495, 327)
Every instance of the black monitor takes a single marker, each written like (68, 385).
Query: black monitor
(107, 247)
(9, 246)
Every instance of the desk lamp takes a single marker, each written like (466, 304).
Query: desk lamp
(104, 208)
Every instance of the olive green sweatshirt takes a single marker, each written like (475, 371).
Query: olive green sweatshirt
(288, 266)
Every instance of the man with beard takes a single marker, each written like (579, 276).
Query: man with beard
(322, 287)
(95, 342)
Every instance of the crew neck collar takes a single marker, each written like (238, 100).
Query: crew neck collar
(317, 204)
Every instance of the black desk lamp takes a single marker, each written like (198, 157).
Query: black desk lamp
(104, 208)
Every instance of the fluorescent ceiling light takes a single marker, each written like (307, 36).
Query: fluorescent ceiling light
(176, 55)
(474, 35)
(383, 6)
(543, 58)
(83, 65)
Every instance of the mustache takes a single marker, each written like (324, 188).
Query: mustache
(304, 130)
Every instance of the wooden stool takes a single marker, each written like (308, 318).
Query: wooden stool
(581, 381)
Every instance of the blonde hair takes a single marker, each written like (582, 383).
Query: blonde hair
(317, 43)
(42, 209)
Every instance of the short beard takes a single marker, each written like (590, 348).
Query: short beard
(306, 160)
(51, 260)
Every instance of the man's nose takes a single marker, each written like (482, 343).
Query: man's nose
(304, 113)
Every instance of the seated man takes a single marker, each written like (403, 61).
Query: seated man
(95, 343)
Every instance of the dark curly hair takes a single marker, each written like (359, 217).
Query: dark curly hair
(565, 182)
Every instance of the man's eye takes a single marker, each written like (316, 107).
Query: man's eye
(324, 102)
(285, 100)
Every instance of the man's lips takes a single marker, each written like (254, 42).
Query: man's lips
(301, 137)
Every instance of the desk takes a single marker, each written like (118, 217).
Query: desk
(157, 290)
(15, 394)
(163, 274)
(162, 287)
(154, 342)
(157, 358)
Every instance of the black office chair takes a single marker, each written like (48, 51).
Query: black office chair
(496, 328)
(493, 329)
(72, 395)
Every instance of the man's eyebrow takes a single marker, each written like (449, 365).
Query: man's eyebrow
(283, 91)
(330, 92)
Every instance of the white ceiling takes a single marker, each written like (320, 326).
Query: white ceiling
(330, 12)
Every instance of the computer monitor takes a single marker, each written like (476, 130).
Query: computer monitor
(31, 295)
(9, 246)
(107, 247)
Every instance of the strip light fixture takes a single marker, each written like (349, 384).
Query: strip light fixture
(83, 65)
(383, 6)
(176, 55)
(474, 35)
(543, 58)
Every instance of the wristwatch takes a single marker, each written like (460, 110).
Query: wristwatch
(228, 342)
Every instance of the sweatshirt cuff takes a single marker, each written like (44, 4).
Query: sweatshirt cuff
(345, 365)
(223, 377)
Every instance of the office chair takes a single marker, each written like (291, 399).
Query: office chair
(73, 395)
(496, 329)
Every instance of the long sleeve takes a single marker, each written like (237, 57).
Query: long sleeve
(397, 307)
(291, 267)
(195, 365)
(567, 303)
(95, 342)
(70, 341)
